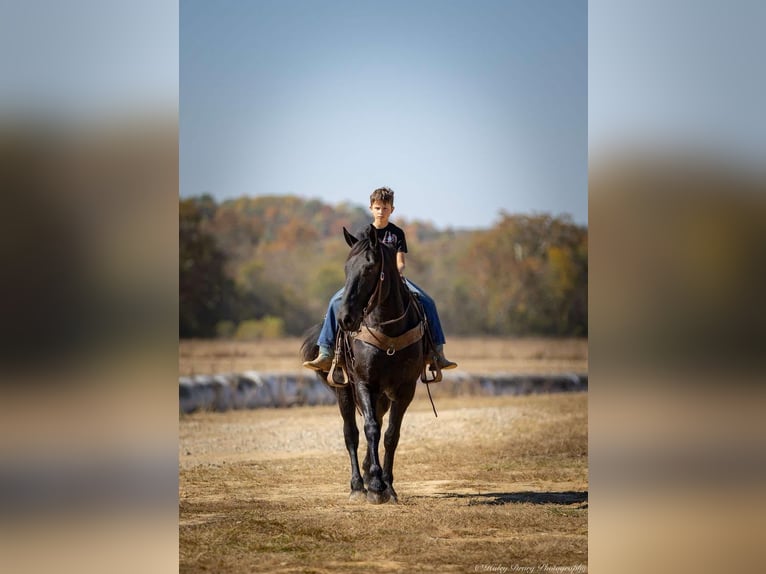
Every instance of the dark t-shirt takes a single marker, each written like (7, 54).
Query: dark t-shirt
(390, 235)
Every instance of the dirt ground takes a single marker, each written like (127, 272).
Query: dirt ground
(494, 484)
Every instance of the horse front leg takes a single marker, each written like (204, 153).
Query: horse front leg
(377, 492)
(391, 441)
(351, 437)
(382, 408)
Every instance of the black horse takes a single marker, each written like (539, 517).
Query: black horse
(383, 374)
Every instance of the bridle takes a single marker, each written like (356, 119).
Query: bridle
(377, 296)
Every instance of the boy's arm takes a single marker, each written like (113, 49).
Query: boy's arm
(400, 263)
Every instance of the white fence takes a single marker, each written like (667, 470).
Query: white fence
(252, 389)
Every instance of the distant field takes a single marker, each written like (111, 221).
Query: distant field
(494, 484)
(473, 355)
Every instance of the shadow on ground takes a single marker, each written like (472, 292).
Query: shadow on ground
(568, 497)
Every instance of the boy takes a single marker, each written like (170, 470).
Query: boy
(381, 207)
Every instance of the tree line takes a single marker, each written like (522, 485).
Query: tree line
(260, 267)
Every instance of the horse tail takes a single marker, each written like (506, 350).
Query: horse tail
(309, 348)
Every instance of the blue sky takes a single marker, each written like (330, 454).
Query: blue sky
(678, 75)
(86, 61)
(463, 108)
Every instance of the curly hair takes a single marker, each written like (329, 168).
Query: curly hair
(382, 194)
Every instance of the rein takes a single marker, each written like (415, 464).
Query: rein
(378, 293)
(371, 330)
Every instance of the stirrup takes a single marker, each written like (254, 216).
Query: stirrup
(338, 364)
(436, 371)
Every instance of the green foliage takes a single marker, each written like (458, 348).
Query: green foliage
(225, 329)
(327, 279)
(203, 284)
(255, 261)
(266, 328)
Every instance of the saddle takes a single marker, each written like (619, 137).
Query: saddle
(420, 333)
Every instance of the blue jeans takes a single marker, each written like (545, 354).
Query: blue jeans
(330, 326)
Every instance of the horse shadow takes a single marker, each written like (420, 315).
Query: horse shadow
(498, 498)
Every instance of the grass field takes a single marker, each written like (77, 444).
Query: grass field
(492, 483)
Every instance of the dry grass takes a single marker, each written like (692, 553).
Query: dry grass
(492, 482)
(474, 355)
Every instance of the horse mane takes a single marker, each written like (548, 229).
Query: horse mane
(361, 245)
(364, 244)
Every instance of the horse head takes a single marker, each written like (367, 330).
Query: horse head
(364, 275)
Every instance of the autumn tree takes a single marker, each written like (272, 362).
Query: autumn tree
(254, 258)
(203, 285)
(531, 274)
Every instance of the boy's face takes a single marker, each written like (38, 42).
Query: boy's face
(381, 212)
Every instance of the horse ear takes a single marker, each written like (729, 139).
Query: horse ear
(373, 236)
(350, 239)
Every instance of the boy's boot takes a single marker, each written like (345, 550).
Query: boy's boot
(323, 362)
(443, 362)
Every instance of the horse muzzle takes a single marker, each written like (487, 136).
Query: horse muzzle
(349, 322)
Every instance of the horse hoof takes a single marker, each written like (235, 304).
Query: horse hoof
(378, 497)
(357, 496)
